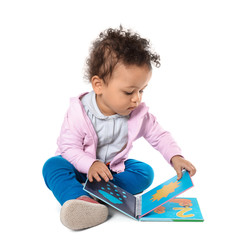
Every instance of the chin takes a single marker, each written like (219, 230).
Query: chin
(126, 113)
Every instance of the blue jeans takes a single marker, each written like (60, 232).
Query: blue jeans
(64, 180)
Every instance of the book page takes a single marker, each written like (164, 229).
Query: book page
(176, 210)
(113, 195)
(164, 192)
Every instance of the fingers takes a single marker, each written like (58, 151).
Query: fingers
(97, 177)
(104, 174)
(179, 174)
(90, 178)
(94, 175)
(109, 175)
(180, 163)
(99, 171)
(191, 169)
(194, 170)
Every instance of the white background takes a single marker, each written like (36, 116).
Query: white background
(194, 94)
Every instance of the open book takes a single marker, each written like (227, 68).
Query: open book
(158, 204)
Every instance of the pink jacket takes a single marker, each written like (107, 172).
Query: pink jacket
(77, 142)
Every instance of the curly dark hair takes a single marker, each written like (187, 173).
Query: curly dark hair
(118, 45)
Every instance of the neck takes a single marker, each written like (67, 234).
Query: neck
(105, 110)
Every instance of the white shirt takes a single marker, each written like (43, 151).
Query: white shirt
(112, 131)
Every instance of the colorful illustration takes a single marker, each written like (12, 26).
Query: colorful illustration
(160, 209)
(112, 194)
(165, 191)
(182, 211)
(173, 210)
(158, 204)
(182, 201)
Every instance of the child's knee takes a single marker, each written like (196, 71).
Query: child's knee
(148, 175)
(144, 176)
(52, 165)
(146, 172)
(49, 164)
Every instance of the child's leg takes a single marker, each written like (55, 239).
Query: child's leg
(63, 179)
(137, 176)
(78, 211)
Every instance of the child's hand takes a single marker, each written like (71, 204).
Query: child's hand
(98, 170)
(179, 163)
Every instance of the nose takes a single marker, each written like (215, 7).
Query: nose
(136, 98)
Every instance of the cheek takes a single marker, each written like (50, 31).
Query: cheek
(121, 101)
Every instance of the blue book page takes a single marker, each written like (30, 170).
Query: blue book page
(113, 195)
(164, 192)
(177, 209)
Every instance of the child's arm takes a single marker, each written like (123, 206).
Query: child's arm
(166, 145)
(159, 138)
(71, 141)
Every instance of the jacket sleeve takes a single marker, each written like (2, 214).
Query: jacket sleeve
(160, 139)
(71, 142)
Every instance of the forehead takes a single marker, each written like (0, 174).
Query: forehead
(131, 75)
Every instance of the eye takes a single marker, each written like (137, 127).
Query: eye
(128, 93)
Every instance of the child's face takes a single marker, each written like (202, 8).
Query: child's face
(124, 90)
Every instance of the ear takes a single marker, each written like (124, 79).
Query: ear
(97, 84)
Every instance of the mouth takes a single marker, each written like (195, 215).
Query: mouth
(131, 108)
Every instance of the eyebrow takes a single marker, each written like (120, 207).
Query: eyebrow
(136, 86)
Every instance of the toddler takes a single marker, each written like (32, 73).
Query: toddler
(100, 127)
